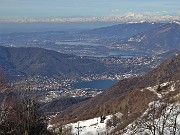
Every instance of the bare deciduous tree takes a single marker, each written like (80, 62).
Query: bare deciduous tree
(159, 119)
(19, 115)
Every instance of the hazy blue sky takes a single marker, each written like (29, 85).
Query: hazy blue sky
(84, 8)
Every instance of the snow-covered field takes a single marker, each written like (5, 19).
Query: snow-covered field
(89, 127)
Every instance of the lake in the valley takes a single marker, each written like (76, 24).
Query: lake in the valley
(95, 84)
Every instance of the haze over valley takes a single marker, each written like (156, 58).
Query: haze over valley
(89, 67)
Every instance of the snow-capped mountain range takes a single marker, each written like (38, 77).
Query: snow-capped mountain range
(127, 17)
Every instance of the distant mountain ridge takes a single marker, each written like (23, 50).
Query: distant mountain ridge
(123, 30)
(37, 61)
(160, 39)
(109, 34)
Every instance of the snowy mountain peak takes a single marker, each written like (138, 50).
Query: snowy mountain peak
(138, 22)
(131, 14)
(177, 22)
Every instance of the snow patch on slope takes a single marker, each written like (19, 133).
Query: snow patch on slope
(166, 88)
